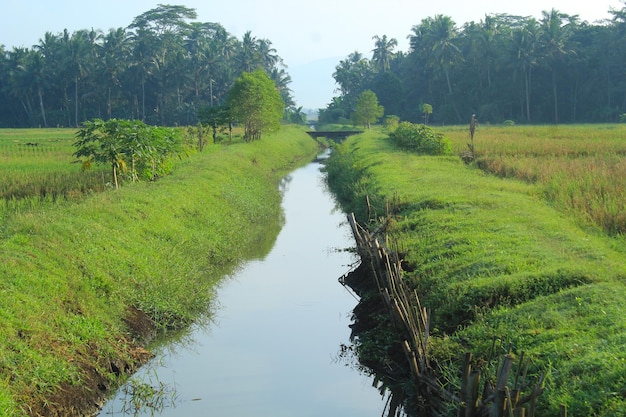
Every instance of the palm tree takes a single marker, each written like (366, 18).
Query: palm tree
(142, 63)
(198, 54)
(113, 52)
(554, 41)
(434, 41)
(19, 81)
(523, 55)
(267, 55)
(435, 38)
(80, 56)
(485, 44)
(383, 52)
(224, 43)
(53, 49)
(446, 54)
(282, 80)
(224, 46)
(35, 70)
(248, 53)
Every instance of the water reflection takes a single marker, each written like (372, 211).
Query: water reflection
(272, 347)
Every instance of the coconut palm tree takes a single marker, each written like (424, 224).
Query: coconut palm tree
(554, 37)
(524, 56)
(80, 55)
(113, 52)
(267, 55)
(441, 38)
(383, 52)
(247, 56)
(282, 80)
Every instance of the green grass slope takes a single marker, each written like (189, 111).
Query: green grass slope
(75, 275)
(493, 259)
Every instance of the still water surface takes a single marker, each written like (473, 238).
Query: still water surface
(271, 350)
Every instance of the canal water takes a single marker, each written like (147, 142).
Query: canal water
(272, 346)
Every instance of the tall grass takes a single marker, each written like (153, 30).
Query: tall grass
(579, 168)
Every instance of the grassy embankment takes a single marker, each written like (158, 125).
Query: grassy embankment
(74, 270)
(513, 258)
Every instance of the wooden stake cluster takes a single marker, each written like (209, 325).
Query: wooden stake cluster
(403, 304)
(498, 400)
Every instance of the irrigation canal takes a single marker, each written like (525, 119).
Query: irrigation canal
(272, 347)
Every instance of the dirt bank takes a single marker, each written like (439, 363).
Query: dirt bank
(99, 381)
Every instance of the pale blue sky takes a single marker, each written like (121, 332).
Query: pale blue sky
(310, 36)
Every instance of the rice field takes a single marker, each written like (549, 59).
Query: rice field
(37, 166)
(580, 168)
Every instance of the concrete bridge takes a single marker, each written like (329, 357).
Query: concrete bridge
(334, 135)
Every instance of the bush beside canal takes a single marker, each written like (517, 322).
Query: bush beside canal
(83, 283)
(493, 259)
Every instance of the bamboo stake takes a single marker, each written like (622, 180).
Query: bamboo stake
(467, 368)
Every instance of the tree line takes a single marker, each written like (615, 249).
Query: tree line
(555, 69)
(161, 69)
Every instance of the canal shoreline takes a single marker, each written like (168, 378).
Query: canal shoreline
(264, 303)
(129, 254)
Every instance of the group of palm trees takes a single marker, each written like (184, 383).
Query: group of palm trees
(160, 69)
(548, 70)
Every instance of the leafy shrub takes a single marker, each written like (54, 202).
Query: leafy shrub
(508, 123)
(420, 138)
(128, 146)
(622, 118)
(391, 122)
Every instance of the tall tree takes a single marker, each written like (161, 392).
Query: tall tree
(282, 80)
(162, 30)
(383, 52)
(80, 60)
(523, 55)
(20, 81)
(35, 69)
(367, 110)
(436, 37)
(248, 57)
(554, 39)
(200, 56)
(113, 52)
(352, 75)
(164, 19)
(267, 55)
(255, 101)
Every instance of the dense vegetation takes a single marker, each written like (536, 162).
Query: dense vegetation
(255, 102)
(507, 258)
(555, 69)
(127, 146)
(151, 249)
(161, 69)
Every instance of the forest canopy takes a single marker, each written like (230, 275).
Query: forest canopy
(555, 69)
(165, 66)
(161, 69)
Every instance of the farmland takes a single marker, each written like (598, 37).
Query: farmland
(37, 166)
(579, 168)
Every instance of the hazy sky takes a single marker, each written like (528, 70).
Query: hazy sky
(311, 36)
